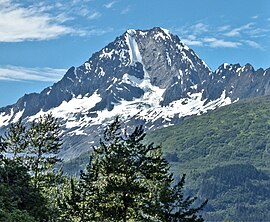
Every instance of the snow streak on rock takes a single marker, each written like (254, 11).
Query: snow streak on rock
(146, 77)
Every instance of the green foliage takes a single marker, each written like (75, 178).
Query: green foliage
(234, 134)
(226, 154)
(15, 215)
(238, 132)
(14, 141)
(127, 180)
(70, 202)
(18, 197)
(29, 185)
(43, 145)
(238, 188)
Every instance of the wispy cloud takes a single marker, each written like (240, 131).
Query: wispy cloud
(94, 15)
(223, 28)
(99, 32)
(223, 36)
(125, 10)
(238, 31)
(220, 43)
(253, 44)
(191, 40)
(110, 4)
(18, 73)
(20, 23)
(255, 17)
(199, 28)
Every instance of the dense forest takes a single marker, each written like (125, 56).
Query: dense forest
(225, 154)
(125, 179)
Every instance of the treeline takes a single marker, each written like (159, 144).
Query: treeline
(125, 179)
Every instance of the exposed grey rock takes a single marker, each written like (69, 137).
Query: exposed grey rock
(128, 70)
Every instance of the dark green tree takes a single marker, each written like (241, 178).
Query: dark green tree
(29, 154)
(13, 142)
(127, 180)
(43, 146)
(70, 202)
(19, 200)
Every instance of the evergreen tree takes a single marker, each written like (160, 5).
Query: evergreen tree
(19, 200)
(69, 202)
(13, 142)
(127, 180)
(28, 155)
(44, 143)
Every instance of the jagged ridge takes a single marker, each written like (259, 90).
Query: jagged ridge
(146, 76)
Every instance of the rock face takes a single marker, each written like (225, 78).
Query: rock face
(144, 76)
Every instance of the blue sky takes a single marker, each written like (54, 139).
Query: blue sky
(40, 40)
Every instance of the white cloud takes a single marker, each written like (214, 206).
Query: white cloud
(233, 33)
(257, 32)
(255, 17)
(199, 28)
(18, 73)
(125, 10)
(220, 43)
(20, 23)
(238, 31)
(110, 4)
(253, 44)
(223, 36)
(94, 15)
(223, 28)
(191, 40)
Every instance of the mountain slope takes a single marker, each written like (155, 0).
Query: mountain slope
(226, 156)
(145, 76)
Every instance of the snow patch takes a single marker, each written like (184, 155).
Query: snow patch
(105, 54)
(168, 59)
(225, 65)
(5, 118)
(165, 34)
(101, 73)
(87, 66)
(134, 52)
(69, 110)
(17, 116)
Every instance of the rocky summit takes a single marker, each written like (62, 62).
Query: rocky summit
(146, 77)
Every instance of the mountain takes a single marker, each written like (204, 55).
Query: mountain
(145, 76)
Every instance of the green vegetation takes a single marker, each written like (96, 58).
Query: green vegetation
(226, 155)
(233, 140)
(29, 185)
(125, 180)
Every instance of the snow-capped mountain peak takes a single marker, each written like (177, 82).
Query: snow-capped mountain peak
(144, 76)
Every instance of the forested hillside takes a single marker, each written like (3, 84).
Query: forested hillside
(226, 154)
